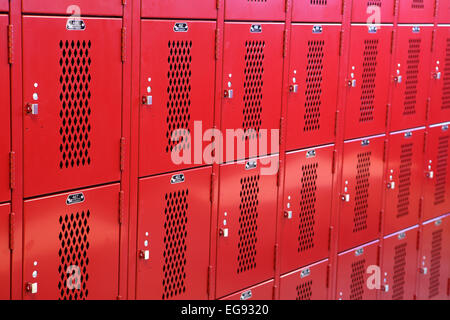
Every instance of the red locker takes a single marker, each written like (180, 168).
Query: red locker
(309, 283)
(437, 172)
(4, 5)
(404, 180)
(411, 77)
(263, 291)
(5, 267)
(173, 236)
(5, 110)
(317, 10)
(73, 7)
(252, 69)
(307, 206)
(313, 78)
(399, 269)
(177, 85)
(247, 223)
(434, 260)
(72, 83)
(440, 75)
(361, 191)
(444, 11)
(354, 274)
(255, 10)
(367, 80)
(416, 11)
(71, 245)
(191, 9)
(373, 11)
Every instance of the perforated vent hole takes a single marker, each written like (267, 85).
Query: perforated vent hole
(417, 4)
(313, 92)
(369, 76)
(357, 280)
(398, 285)
(318, 2)
(307, 207)
(304, 291)
(446, 78)
(435, 264)
(362, 191)
(374, 3)
(441, 171)
(412, 76)
(404, 179)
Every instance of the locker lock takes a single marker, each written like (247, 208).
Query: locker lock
(31, 287)
(223, 232)
(430, 174)
(398, 79)
(147, 100)
(385, 288)
(32, 108)
(437, 75)
(423, 270)
(288, 214)
(228, 94)
(351, 83)
(293, 88)
(144, 254)
(345, 197)
(391, 185)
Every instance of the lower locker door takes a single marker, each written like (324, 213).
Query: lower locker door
(5, 267)
(263, 291)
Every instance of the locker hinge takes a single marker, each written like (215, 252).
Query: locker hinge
(274, 291)
(379, 255)
(342, 7)
(122, 153)
(330, 232)
(425, 134)
(12, 170)
(420, 207)
(217, 44)
(340, 42)
(336, 115)
(380, 222)
(10, 44)
(388, 110)
(385, 151)
(121, 204)
(427, 108)
(448, 287)
(119, 297)
(209, 284)
(392, 41)
(286, 5)
(280, 137)
(211, 188)
(333, 162)
(124, 40)
(418, 239)
(328, 275)
(275, 256)
(279, 174)
(433, 34)
(217, 4)
(285, 43)
(124, 2)
(12, 221)
(395, 7)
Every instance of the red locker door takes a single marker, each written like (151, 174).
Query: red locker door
(73, 7)
(440, 83)
(173, 235)
(353, 273)
(367, 80)
(247, 223)
(307, 207)
(71, 245)
(4, 5)
(361, 191)
(5, 110)
(5, 267)
(373, 11)
(411, 77)
(416, 11)
(437, 172)
(72, 82)
(309, 283)
(434, 260)
(313, 76)
(317, 10)
(255, 10)
(404, 180)
(190, 9)
(177, 74)
(444, 11)
(253, 65)
(399, 268)
(263, 291)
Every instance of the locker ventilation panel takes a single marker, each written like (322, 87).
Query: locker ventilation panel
(318, 2)
(374, 3)
(253, 85)
(313, 90)
(73, 256)
(304, 291)
(175, 235)
(446, 79)
(75, 96)
(435, 264)
(357, 280)
(441, 170)
(404, 178)
(179, 92)
(412, 72)
(248, 223)
(398, 285)
(362, 192)
(307, 207)
(417, 4)
(368, 80)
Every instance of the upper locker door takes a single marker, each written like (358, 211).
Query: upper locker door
(74, 7)
(373, 11)
(5, 110)
(307, 207)
(416, 11)
(411, 76)
(173, 236)
(444, 11)
(359, 218)
(404, 180)
(313, 78)
(72, 83)
(255, 10)
(440, 73)
(367, 80)
(177, 85)
(437, 172)
(184, 9)
(4, 5)
(252, 71)
(5, 252)
(317, 10)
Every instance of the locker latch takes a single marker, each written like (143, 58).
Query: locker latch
(351, 83)
(293, 88)
(391, 185)
(385, 288)
(288, 214)
(437, 75)
(423, 270)
(31, 287)
(430, 174)
(228, 94)
(147, 100)
(223, 232)
(345, 197)
(144, 254)
(398, 79)
(32, 108)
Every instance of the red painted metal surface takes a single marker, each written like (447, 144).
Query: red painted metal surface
(263, 291)
(361, 191)
(437, 172)
(313, 78)
(352, 275)
(177, 72)
(71, 245)
(305, 231)
(443, 13)
(373, 12)
(416, 11)
(5, 258)
(308, 283)
(317, 10)
(173, 235)
(252, 78)
(73, 7)
(273, 10)
(434, 260)
(367, 80)
(404, 180)
(74, 139)
(4, 5)
(186, 9)
(411, 76)
(399, 269)
(247, 222)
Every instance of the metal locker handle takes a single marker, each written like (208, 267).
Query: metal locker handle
(223, 232)
(147, 100)
(398, 79)
(430, 174)
(31, 287)
(32, 108)
(345, 197)
(352, 83)
(423, 270)
(144, 254)
(288, 214)
(293, 88)
(391, 185)
(228, 94)
(437, 76)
